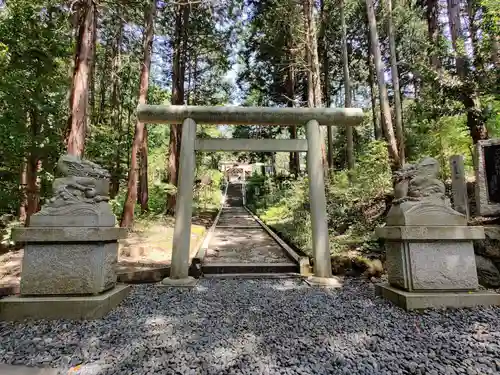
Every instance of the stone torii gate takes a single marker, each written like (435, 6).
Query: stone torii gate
(189, 116)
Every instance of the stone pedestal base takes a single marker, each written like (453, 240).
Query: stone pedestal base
(429, 300)
(421, 258)
(188, 282)
(68, 261)
(78, 268)
(16, 308)
(326, 282)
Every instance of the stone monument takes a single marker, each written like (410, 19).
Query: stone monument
(487, 168)
(429, 252)
(70, 250)
(459, 185)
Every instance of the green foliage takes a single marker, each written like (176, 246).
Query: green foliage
(492, 105)
(207, 191)
(439, 137)
(35, 52)
(353, 208)
(6, 232)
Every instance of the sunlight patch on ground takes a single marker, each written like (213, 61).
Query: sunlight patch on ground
(290, 284)
(158, 321)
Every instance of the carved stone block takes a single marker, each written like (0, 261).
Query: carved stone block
(433, 265)
(68, 268)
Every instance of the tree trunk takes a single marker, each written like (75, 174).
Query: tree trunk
(472, 9)
(92, 89)
(291, 82)
(326, 79)
(294, 161)
(456, 35)
(23, 204)
(115, 112)
(178, 78)
(373, 98)
(139, 145)
(79, 97)
(469, 96)
(103, 86)
(32, 186)
(143, 172)
(395, 85)
(384, 101)
(129, 141)
(32, 167)
(432, 14)
(377, 132)
(475, 118)
(347, 88)
(313, 69)
(495, 51)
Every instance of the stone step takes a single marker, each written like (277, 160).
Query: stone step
(290, 275)
(249, 268)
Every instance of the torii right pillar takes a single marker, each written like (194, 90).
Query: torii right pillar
(317, 201)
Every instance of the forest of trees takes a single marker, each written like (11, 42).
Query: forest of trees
(426, 72)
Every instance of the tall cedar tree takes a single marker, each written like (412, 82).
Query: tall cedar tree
(382, 89)
(139, 144)
(182, 13)
(116, 122)
(468, 93)
(432, 14)
(325, 64)
(33, 165)
(313, 68)
(347, 87)
(86, 20)
(291, 82)
(395, 84)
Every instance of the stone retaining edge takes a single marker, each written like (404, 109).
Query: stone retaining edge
(200, 254)
(302, 261)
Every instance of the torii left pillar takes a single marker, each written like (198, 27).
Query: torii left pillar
(179, 270)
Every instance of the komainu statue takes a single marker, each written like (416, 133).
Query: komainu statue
(80, 198)
(416, 182)
(419, 197)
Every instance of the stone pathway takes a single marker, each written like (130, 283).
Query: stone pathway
(244, 246)
(238, 238)
(271, 327)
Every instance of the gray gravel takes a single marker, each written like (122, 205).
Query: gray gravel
(261, 327)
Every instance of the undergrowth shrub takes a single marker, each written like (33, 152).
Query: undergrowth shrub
(356, 202)
(207, 191)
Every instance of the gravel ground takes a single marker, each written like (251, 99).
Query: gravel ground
(261, 327)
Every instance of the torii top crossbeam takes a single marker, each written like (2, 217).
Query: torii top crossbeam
(227, 115)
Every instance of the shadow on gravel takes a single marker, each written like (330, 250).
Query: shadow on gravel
(261, 327)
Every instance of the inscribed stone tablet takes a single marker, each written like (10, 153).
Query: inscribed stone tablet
(492, 169)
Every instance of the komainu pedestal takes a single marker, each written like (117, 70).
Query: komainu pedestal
(70, 250)
(429, 251)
